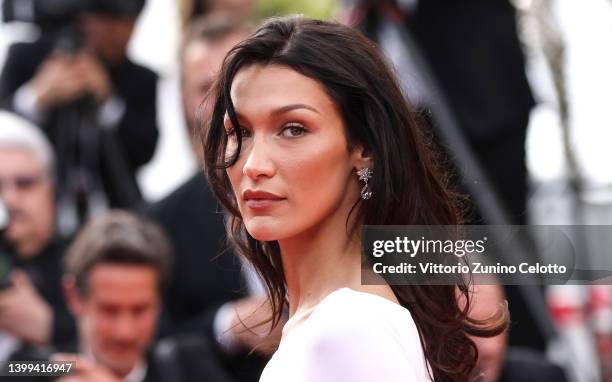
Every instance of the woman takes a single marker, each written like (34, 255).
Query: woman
(309, 139)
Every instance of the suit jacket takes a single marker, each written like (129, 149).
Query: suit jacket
(525, 365)
(135, 85)
(474, 51)
(45, 272)
(205, 273)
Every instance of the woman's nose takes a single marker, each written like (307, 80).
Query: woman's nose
(258, 162)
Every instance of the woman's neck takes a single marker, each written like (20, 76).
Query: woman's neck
(319, 261)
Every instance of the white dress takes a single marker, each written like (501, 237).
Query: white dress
(350, 336)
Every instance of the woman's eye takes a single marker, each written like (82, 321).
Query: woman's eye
(244, 133)
(293, 130)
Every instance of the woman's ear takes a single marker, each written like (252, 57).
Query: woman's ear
(361, 158)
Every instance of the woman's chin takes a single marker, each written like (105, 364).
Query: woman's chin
(263, 229)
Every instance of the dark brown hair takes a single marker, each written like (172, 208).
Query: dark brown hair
(117, 237)
(407, 187)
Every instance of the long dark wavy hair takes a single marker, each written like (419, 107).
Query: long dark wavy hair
(408, 188)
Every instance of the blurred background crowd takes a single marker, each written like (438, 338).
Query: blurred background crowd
(112, 245)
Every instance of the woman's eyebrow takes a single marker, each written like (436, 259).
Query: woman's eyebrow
(288, 108)
(280, 110)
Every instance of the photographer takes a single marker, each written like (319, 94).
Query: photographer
(32, 309)
(114, 273)
(96, 106)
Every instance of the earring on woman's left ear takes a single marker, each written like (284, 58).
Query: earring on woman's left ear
(365, 174)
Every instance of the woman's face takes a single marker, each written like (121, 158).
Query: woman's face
(295, 170)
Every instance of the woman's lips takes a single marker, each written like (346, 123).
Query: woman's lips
(257, 199)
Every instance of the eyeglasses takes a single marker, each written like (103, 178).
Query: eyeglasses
(22, 183)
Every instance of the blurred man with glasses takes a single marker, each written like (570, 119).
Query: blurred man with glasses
(32, 309)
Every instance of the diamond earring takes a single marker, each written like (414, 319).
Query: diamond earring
(365, 174)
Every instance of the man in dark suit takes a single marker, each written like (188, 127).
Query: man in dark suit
(96, 106)
(475, 54)
(32, 307)
(210, 292)
(115, 272)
